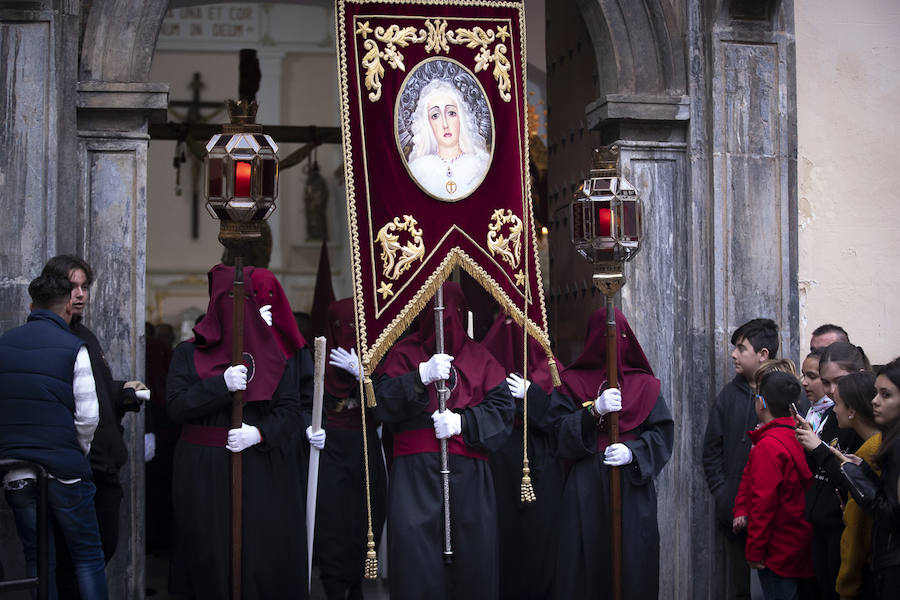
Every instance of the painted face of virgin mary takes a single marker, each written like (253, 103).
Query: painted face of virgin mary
(443, 116)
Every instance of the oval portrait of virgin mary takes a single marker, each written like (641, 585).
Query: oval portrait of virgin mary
(444, 129)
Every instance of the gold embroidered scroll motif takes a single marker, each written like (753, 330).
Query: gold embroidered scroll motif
(490, 46)
(508, 246)
(411, 251)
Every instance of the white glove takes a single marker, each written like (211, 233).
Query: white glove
(617, 455)
(347, 361)
(149, 446)
(266, 313)
(236, 378)
(243, 438)
(609, 401)
(446, 424)
(436, 368)
(518, 386)
(143, 395)
(317, 439)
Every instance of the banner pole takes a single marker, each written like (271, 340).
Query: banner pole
(443, 393)
(237, 418)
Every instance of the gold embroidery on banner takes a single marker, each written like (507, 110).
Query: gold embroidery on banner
(413, 250)
(509, 248)
(385, 289)
(393, 37)
(373, 351)
(473, 38)
(437, 39)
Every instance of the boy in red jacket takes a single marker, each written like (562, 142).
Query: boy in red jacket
(772, 494)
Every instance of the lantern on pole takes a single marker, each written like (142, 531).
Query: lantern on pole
(607, 224)
(240, 173)
(607, 228)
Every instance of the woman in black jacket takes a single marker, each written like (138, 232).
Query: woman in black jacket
(878, 496)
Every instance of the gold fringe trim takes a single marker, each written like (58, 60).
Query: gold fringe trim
(371, 557)
(554, 372)
(455, 257)
(370, 392)
(527, 489)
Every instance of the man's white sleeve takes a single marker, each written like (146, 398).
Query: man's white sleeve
(87, 406)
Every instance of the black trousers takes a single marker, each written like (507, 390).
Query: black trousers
(107, 503)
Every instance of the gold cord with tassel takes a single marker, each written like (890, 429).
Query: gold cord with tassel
(527, 488)
(528, 496)
(370, 392)
(371, 567)
(371, 557)
(554, 372)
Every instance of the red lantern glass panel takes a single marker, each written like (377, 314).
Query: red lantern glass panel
(242, 172)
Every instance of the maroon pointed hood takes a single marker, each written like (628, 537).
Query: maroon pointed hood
(340, 332)
(474, 369)
(505, 340)
(266, 349)
(582, 380)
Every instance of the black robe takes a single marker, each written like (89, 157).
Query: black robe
(274, 530)
(528, 531)
(415, 515)
(583, 563)
(341, 523)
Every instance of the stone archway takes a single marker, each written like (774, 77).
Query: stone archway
(700, 99)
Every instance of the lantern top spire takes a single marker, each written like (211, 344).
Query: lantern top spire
(606, 213)
(242, 114)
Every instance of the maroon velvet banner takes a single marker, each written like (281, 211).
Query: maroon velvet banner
(433, 112)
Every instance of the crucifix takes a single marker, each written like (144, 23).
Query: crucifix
(189, 119)
(193, 130)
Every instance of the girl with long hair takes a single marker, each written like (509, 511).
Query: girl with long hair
(879, 496)
(853, 410)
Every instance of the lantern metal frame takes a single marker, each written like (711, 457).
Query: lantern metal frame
(606, 217)
(239, 201)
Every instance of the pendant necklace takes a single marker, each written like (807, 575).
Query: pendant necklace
(450, 186)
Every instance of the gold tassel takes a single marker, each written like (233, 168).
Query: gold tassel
(527, 489)
(554, 372)
(371, 557)
(370, 392)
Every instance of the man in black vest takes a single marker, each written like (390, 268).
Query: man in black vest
(108, 452)
(48, 414)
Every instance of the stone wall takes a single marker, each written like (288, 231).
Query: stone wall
(700, 99)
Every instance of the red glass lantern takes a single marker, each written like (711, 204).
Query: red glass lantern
(606, 216)
(241, 169)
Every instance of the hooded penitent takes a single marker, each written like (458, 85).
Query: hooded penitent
(585, 378)
(266, 349)
(506, 341)
(340, 332)
(474, 371)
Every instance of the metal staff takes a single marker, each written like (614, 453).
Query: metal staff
(607, 230)
(240, 183)
(237, 418)
(312, 485)
(443, 393)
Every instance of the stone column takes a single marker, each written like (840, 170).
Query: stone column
(112, 201)
(38, 62)
(743, 153)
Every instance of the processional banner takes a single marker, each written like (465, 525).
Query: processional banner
(433, 114)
